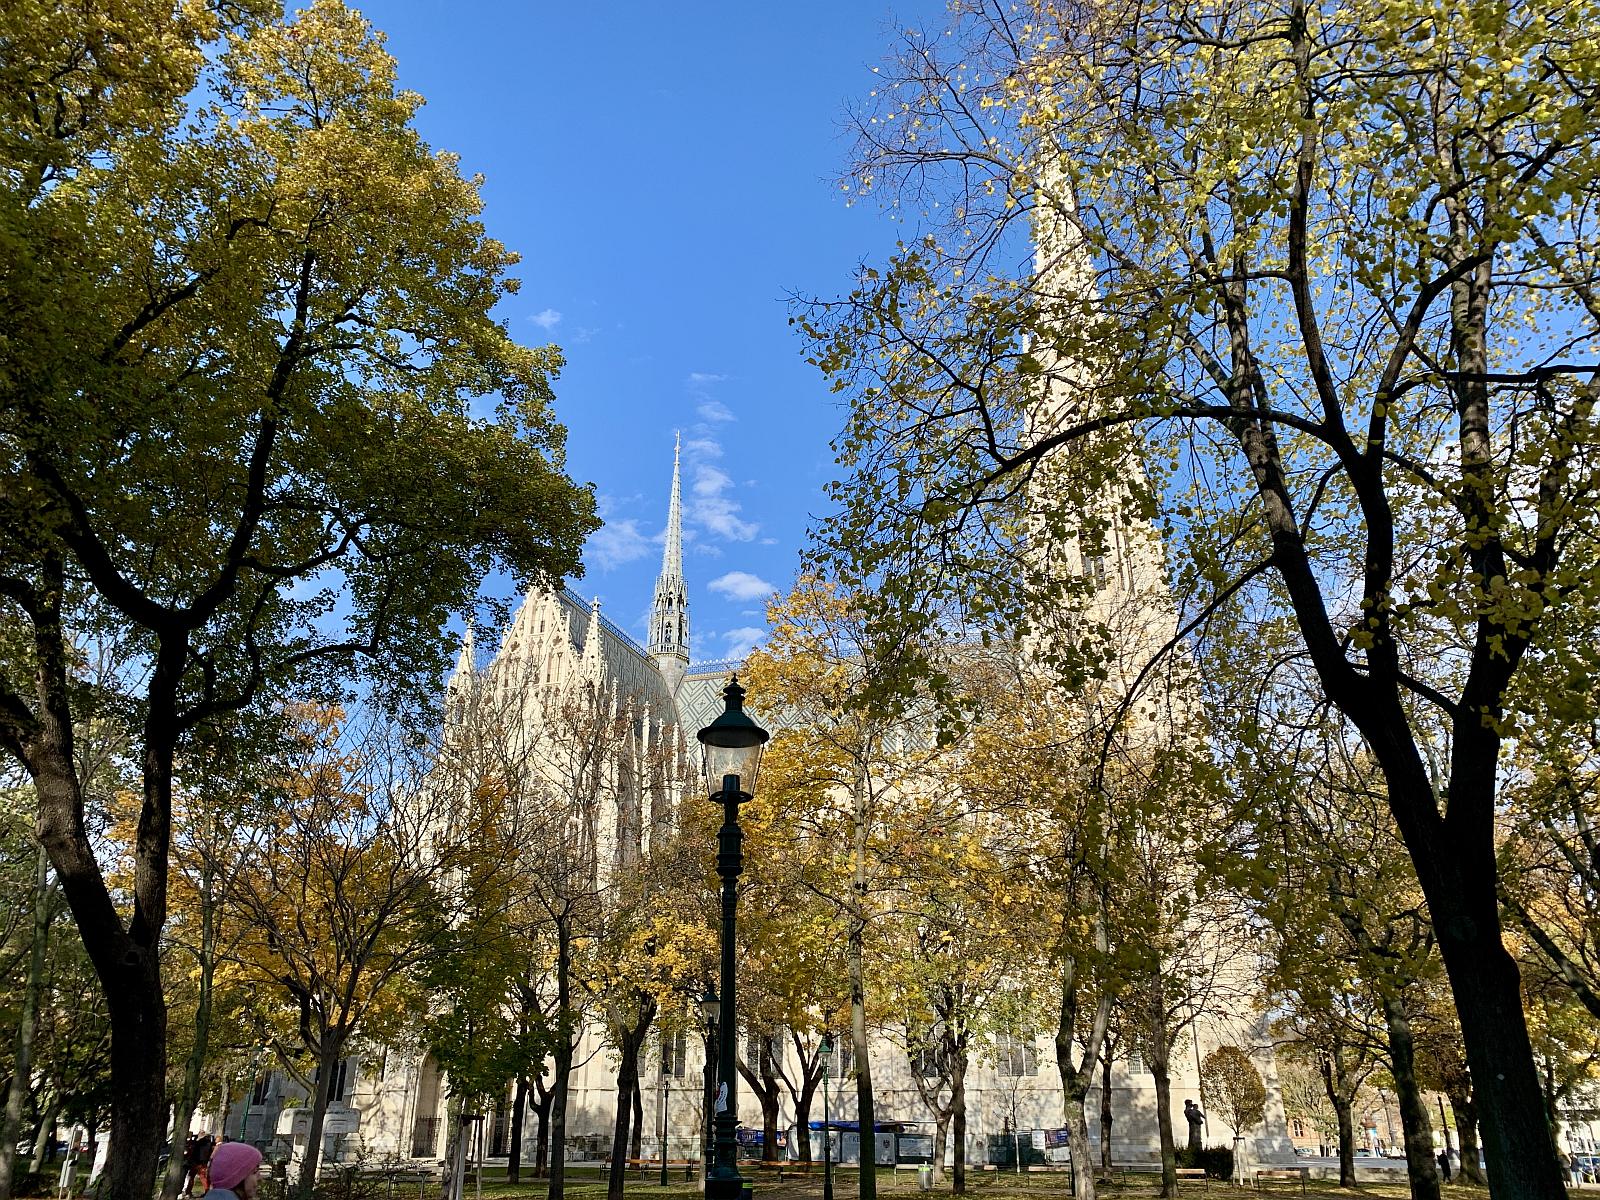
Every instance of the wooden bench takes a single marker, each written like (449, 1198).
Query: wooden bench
(782, 1167)
(404, 1176)
(1195, 1173)
(650, 1164)
(1283, 1175)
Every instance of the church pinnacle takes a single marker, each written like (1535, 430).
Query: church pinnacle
(669, 614)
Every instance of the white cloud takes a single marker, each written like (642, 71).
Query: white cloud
(700, 379)
(741, 585)
(710, 508)
(742, 640)
(714, 410)
(546, 320)
(616, 543)
(711, 481)
(721, 516)
(703, 447)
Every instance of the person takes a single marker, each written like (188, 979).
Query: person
(1444, 1165)
(235, 1172)
(195, 1157)
(1196, 1119)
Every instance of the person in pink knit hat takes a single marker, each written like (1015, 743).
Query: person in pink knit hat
(235, 1172)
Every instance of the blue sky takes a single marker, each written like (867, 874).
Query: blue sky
(669, 174)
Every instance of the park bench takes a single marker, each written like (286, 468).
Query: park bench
(643, 1165)
(1283, 1175)
(1195, 1173)
(404, 1176)
(782, 1168)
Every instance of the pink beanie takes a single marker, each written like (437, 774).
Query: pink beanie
(231, 1162)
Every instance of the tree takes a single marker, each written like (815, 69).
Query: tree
(586, 771)
(1231, 1087)
(213, 806)
(248, 418)
(1325, 869)
(349, 895)
(1302, 260)
(839, 759)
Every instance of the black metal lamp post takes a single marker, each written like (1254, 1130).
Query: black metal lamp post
(710, 1010)
(733, 745)
(827, 1134)
(666, 1100)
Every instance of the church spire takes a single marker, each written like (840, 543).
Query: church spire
(669, 614)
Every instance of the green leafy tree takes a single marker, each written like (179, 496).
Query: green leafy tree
(1231, 1087)
(257, 410)
(1328, 271)
(348, 899)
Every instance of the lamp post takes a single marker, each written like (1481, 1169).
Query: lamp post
(733, 745)
(710, 1010)
(666, 1102)
(827, 1139)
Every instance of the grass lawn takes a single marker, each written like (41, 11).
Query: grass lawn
(587, 1184)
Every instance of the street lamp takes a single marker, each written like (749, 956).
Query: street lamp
(733, 745)
(710, 1010)
(666, 1098)
(827, 1150)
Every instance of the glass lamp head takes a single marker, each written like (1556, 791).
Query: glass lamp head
(732, 743)
(710, 1005)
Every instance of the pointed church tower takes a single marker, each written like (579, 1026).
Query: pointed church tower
(594, 664)
(458, 689)
(669, 615)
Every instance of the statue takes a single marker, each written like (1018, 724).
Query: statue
(1196, 1119)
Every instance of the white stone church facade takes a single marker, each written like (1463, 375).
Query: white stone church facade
(390, 1107)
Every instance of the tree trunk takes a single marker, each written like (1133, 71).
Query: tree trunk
(1107, 1117)
(189, 1091)
(763, 1083)
(866, 1112)
(958, 1121)
(1422, 1169)
(1160, 1068)
(1454, 857)
(566, 1021)
(1077, 1074)
(1466, 1111)
(518, 1109)
(327, 1068)
(47, 1128)
(1336, 1082)
(1077, 1119)
(542, 1105)
(126, 956)
(629, 1040)
(636, 1142)
(771, 1103)
(28, 1025)
(801, 1097)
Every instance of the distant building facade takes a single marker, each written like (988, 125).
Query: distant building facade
(387, 1106)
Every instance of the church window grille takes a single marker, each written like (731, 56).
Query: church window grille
(842, 1059)
(1136, 1062)
(339, 1088)
(1094, 566)
(926, 1052)
(675, 1054)
(1015, 1056)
